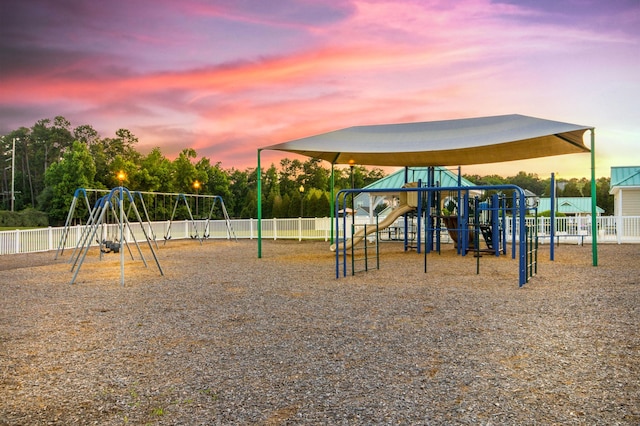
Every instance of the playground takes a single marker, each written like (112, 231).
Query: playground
(219, 336)
(226, 338)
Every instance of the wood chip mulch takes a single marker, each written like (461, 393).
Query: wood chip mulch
(227, 338)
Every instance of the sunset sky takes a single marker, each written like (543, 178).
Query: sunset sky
(228, 77)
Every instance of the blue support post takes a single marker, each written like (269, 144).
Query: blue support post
(503, 221)
(522, 241)
(463, 233)
(419, 217)
(514, 211)
(495, 224)
(429, 231)
(406, 220)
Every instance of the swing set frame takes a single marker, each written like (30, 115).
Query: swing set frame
(195, 234)
(108, 214)
(109, 206)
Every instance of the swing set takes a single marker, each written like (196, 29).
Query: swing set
(109, 222)
(106, 224)
(203, 232)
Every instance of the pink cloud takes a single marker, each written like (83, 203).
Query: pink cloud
(343, 64)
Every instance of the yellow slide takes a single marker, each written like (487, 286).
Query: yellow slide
(388, 221)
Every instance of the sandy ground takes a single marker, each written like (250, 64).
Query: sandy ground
(225, 338)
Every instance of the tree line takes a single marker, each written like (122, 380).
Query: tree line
(574, 187)
(53, 159)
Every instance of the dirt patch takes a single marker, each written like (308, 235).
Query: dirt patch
(225, 338)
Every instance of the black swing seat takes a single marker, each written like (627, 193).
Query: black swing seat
(110, 247)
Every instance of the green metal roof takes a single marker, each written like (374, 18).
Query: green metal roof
(443, 177)
(625, 176)
(569, 205)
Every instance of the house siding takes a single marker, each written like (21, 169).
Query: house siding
(625, 187)
(631, 202)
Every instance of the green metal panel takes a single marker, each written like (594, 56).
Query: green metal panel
(444, 176)
(625, 176)
(569, 205)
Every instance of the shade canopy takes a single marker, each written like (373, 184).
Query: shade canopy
(443, 143)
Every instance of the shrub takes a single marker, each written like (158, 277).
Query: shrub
(27, 218)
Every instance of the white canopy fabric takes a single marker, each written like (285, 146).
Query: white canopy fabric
(443, 143)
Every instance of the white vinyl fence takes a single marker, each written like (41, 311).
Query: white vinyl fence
(568, 230)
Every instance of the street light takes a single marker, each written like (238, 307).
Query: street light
(301, 189)
(196, 186)
(121, 177)
(353, 184)
(351, 164)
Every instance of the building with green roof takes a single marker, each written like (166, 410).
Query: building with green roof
(569, 206)
(625, 188)
(367, 202)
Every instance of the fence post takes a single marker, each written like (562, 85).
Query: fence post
(326, 231)
(619, 227)
(17, 241)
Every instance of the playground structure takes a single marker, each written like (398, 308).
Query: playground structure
(458, 142)
(441, 217)
(109, 223)
(408, 203)
(473, 220)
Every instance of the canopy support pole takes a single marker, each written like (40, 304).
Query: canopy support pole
(594, 212)
(552, 226)
(332, 205)
(259, 200)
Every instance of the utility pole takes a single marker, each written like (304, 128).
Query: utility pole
(13, 175)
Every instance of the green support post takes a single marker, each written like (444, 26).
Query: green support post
(594, 212)
(332, 202)
(259, 200)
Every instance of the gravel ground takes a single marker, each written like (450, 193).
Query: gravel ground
(226, 338)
